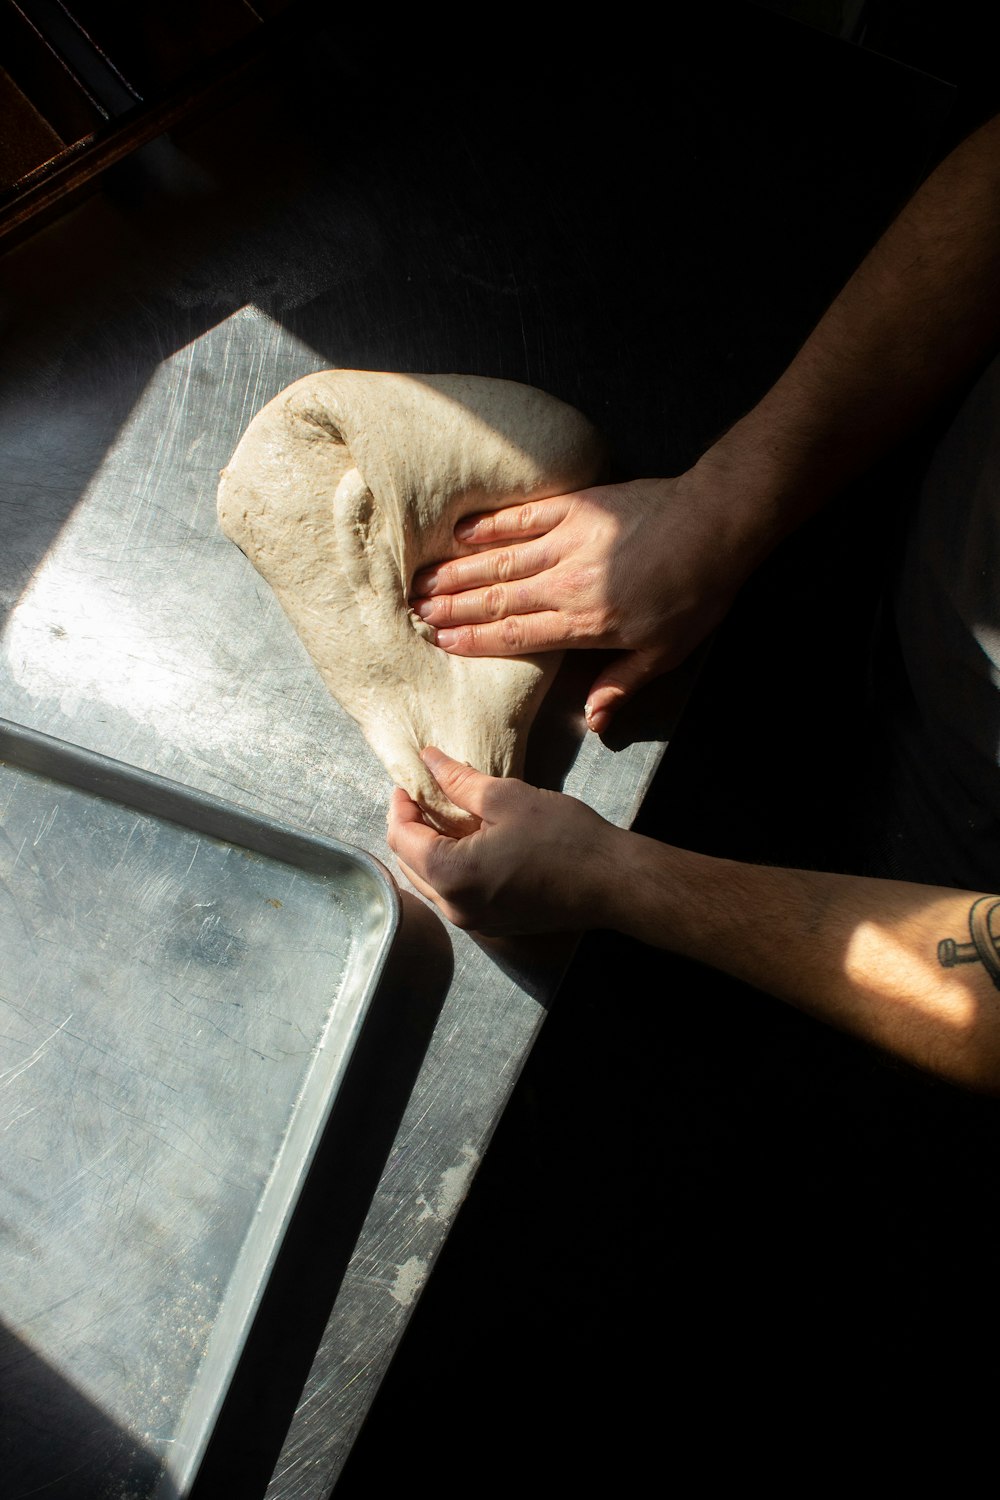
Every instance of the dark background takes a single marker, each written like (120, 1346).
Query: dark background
(711, 1235)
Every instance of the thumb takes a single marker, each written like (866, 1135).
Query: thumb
(618, 683)
(461, 783)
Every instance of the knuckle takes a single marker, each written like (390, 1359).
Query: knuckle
(494, 602)
(588, 579)
(520, 600)
(524, 518)
(460, 777)
(503, 565)
(547, 552)
(444, 610)
(591, 625)
(512, 632)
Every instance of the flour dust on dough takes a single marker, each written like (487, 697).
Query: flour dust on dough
(346, 484)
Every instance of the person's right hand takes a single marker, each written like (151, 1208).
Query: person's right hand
(642, 567)
(539, 861)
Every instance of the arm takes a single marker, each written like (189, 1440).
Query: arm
(860, 954)
(651, 566)
(919, 312)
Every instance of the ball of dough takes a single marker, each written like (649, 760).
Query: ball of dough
(349, 482)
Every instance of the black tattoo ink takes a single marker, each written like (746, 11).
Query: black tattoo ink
(984, 947)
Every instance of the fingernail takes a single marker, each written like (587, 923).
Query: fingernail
(424, 608)
(464, 529)
(424, 582)
(445, 638)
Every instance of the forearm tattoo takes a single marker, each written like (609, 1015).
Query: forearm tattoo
(983, 948)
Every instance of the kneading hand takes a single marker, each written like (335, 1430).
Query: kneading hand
(641, 567)
(539, 861)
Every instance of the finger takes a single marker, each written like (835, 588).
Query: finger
(618, 683)
(462, 784)
(403, 808)
(482, 568)
(483, 606)
(407, 833)
(417, 881)
(513, 522)
(517, 635)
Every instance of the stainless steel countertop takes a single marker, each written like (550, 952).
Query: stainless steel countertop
(143, 330)
(357, 208)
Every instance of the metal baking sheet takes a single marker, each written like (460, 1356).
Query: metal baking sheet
(183, 985)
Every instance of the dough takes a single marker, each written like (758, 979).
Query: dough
(350, 481)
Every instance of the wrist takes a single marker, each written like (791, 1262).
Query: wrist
(775, 467)
(644, 889)
(748, 496)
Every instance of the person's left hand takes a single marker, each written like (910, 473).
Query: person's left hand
(646, 569)
(539, 861)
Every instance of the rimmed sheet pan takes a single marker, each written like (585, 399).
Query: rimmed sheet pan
(183, 986)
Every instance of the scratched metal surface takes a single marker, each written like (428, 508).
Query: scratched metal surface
(144, 634)
(178, 1008)
(142, 333)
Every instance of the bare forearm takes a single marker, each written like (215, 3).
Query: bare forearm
(920, 311)
(861, 954)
